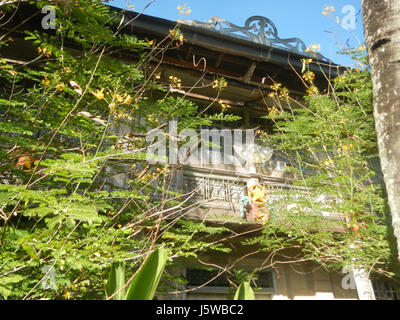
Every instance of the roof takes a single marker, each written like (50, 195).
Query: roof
(251, 57)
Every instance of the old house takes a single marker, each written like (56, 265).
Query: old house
(251, 59)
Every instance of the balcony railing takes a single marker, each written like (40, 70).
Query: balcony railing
(219, 194)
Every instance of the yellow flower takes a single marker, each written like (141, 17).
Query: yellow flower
(284, 93)
(276, 86)
(67, 295)
(224, 106)
(175, 82)
(340, 78)
(309, 76)
(176, 34)
(43, 51)
(119, 98)
(112, 108)
(316, 47)
(273, 111)
(347, 147)
(45, 81)
(219, 84)
(60, 86)
(66, 70)
(328, 10)
(183, 9)
(151, 42)
(99, 94)
(312, 90)
(128, 99)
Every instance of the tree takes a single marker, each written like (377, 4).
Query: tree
(330, 143)
(61, 212)
(382, 33)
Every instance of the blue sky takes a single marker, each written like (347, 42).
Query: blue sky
(293, 18)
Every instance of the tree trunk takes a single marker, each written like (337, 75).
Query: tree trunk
(381, 20)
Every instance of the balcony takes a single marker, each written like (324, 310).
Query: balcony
(216, 195)
(213, 178)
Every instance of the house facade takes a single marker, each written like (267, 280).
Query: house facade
(250, 58)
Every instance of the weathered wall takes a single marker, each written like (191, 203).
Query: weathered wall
(299, 281)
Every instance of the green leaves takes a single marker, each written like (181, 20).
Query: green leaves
(92, 199)
(144, 283)
(116, 281)
(244, 292)
(222, 117)
(330, 143)
(184, 237)
(71, 168)
(7, 283)
(55, 205)
(66, 211)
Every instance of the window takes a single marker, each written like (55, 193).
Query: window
(198, 277)
(206, 284)
(386, 290)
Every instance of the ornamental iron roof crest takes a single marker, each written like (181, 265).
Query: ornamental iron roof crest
(257, 29)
